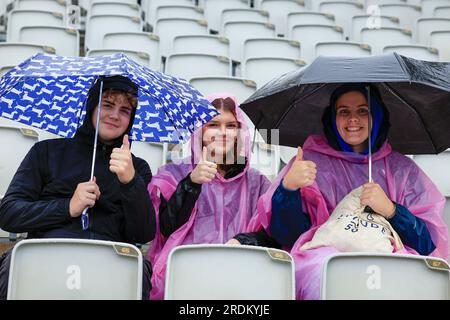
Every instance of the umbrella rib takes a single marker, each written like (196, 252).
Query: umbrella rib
(293, 103)
(414, 109)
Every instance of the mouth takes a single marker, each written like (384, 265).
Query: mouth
(353, 129)
(111, 125)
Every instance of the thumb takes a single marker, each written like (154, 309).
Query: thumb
(125, 143)
(205, 154)
(299, 155)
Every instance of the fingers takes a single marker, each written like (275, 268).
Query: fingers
(120, 154)
(299, 156)
(205, 154)
(91, 188)
(125, 143)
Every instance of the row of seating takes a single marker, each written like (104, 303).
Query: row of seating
(87, 269)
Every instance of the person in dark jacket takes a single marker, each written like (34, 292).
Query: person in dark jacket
(51, 187)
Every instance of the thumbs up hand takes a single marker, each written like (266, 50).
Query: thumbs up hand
(301, 174)
(205, 170)
(121, 162)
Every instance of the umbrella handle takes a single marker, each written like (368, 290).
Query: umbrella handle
(368, 209)
(85, 219)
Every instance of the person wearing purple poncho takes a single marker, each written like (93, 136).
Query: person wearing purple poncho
(329, 167)
(212, 195)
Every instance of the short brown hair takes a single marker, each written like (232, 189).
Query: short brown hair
(132, 99)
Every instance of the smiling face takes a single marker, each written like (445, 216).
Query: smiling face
(352, 119)
(220, 135)
(115, 115)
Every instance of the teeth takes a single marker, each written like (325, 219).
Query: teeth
(353, 129)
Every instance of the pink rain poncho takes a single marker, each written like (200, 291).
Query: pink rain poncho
(224, 208)
(338, 173)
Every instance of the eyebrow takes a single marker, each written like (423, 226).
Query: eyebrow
(343, 106)
(105, 100)
(230, 122)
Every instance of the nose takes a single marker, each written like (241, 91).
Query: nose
(354, 118)
(113, 114)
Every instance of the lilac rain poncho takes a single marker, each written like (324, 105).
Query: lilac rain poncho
(338, 173)
(224, 208)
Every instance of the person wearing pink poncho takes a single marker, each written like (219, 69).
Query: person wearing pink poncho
(328, 168)
(212, 195)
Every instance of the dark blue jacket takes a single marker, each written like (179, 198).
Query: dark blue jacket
(289, 221)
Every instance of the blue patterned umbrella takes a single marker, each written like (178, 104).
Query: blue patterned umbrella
(49, 92)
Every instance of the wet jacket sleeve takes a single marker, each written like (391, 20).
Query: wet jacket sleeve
(412, 230)
(176, 212)
(22, 209)
(140, 223)
(259, 238)
(288, 220)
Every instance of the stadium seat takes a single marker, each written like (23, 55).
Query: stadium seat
(18, 142)
(428, 6)
(73, 269)
(217, 273)
(407, 13)
(47, 5)
(17, 19)
(382, 37)
(299, 18)
(114, 8)
(136, 41)
(309, 35)
(239, 31)
(415, 51)
(442, 11)
(154, 153)
(264, 69)
(169, 28)
(12, 54)
(279, 10)
(441, 41)
(142, 58)
(213, 10)
(342, 48)
(65, 41)
(342, 10)
(366, 21)
(375, 276)
(180, 11)
(190, 65)
(98, 25)
(210, 44)
(241, 88)
(427, 25)
(152, 5)
(271, 47)
(436, 168)
(253, 15)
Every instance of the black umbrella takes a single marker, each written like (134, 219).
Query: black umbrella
(417, 94)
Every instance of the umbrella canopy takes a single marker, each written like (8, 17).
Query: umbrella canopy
(416, 93)
(49, 92)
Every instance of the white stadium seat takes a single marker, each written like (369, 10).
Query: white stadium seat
(372, 276)
(217, 272)
(74, 269)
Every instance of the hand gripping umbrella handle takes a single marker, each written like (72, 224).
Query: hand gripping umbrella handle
(368, 209)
